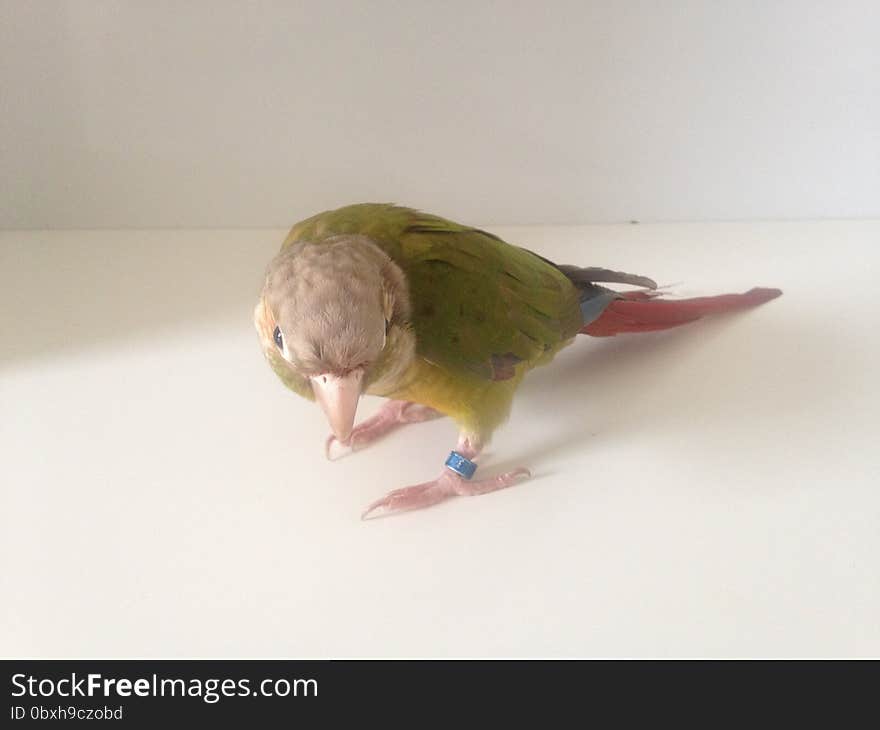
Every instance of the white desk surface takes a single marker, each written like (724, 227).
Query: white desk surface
(709, 491)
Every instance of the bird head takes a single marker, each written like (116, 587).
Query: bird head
(334, 321)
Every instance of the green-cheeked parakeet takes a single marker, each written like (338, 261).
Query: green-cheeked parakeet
(441, 319)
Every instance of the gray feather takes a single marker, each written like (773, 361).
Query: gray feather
(594, 274)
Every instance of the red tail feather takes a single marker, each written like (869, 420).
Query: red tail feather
(636, 313)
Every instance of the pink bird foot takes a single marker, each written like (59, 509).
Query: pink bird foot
(448, 484)
(393, 415)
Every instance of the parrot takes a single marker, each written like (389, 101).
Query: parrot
(439, 319)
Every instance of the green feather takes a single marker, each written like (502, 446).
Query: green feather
(480, 306)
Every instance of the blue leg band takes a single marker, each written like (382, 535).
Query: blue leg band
(460, 465)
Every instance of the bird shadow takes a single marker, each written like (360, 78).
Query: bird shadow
(603, 391)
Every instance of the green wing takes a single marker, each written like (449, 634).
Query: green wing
(480, 305)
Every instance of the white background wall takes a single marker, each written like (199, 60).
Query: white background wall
(155, 114)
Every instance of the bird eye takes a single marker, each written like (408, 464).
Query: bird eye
(279, 340)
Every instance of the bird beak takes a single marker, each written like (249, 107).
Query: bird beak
(338, 396)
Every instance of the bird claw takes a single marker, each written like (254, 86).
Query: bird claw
(405, 498)
(445, 486)
(392, 415)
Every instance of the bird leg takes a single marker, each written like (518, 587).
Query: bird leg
(392, 415)
(448, 484)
